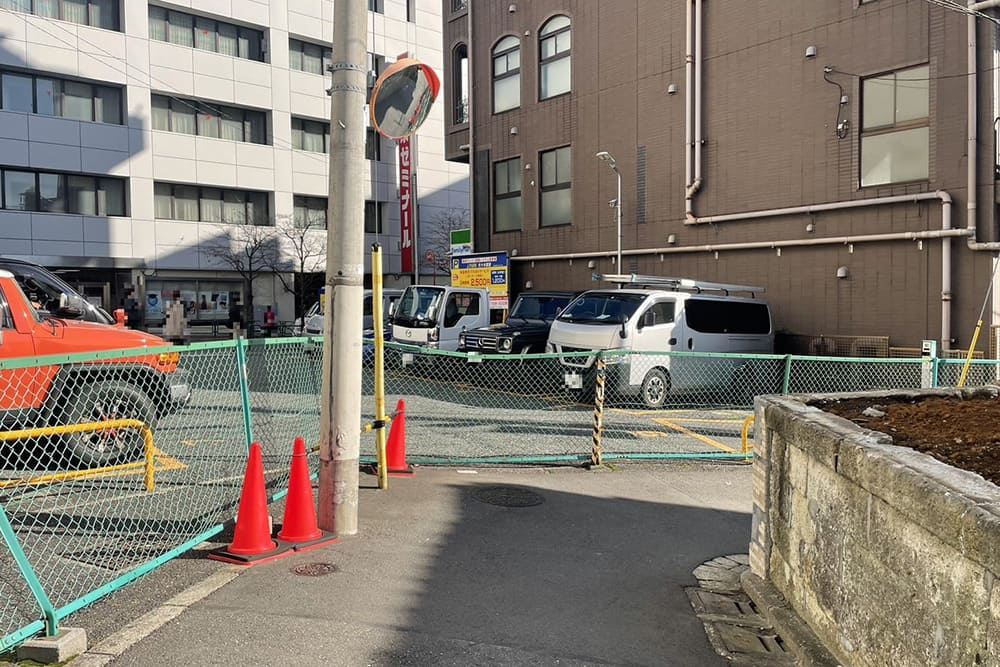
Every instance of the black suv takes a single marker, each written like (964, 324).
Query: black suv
(526, 329)
(43, 288)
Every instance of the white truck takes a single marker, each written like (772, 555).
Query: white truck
(434, 316)
(314, 317)
(658, 314)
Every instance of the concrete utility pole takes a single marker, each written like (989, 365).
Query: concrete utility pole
(340, 407)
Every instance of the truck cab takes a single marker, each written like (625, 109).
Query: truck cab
(44, 289)
(138, 386)
(434, 316)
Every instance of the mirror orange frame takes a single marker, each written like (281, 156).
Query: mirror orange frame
(402, 64)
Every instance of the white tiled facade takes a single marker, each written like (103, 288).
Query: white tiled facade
(160, 249)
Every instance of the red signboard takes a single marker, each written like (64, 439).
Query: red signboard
(405, 208)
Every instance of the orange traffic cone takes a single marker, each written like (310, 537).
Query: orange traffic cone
(395, 448)
(299, 525)
(252, 541)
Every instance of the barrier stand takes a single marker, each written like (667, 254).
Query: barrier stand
(30, 578)
(746, 437)
(596, 456)
(146, 465)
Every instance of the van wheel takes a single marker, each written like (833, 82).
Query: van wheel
(103, 401)
(655, 387)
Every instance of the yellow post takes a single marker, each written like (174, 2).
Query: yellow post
(746, 437)
(968, 358)
(380, 418)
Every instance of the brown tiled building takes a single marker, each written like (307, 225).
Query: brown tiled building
(818, 148)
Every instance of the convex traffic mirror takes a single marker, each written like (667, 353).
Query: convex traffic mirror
(402, 98)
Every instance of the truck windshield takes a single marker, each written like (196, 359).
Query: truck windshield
(538, 307)
(602, 308)
(418, 304)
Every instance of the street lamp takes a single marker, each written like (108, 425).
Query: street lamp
(610, 159)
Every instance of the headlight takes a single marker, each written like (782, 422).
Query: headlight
(168, 358)
(612, 359)
(434, 334)
(461, 339)
(550, 348)
(506, 344)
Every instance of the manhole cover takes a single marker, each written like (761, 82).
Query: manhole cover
(314, 569)
(508, 496)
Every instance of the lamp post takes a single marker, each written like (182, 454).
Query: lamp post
(609, 158)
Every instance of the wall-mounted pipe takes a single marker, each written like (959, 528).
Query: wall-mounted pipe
(972, 129)
(692, 112)
(946, 233)
(688, 92)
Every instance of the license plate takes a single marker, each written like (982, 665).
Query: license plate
(407, 358)
(474, 358)
(573, 380)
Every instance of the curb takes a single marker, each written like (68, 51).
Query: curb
(115, 645)
(798, 637)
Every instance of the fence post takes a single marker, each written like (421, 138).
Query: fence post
(7, 531)
(596, 456)
(787, 381)
(935, 377)
(241, 362)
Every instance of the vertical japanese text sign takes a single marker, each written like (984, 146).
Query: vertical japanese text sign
(405, 208)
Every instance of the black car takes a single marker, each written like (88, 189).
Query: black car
(43, 288)
(526, 329)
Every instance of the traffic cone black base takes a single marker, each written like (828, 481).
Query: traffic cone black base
(223, 556)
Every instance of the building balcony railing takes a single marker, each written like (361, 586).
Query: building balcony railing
(459, 5)
(462, 111)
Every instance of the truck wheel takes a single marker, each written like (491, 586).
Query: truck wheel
(103, 401)
(655, 387)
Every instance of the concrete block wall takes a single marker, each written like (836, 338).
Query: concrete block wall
(888, 555)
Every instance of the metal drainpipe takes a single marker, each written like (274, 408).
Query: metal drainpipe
(693, 59)
(945, 233)
(689, 88)
(972, 129)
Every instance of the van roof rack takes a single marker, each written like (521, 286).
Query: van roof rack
(675, 284)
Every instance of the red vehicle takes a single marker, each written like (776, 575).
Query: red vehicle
(143, 387)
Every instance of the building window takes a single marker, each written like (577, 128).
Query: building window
(555, 76)
(895, 127)
(373, 217)
(557, 187)
(50, 96)
(173, 114)
(308, 57)
(460, 72)
(507, 212)
(310, 135)
(51, 192)
(167, 25)
(174, 201)
(377, 6)
(459, 5)
(309, 212)
(373, 145)
(506, 74)
(96, 13)
(376, 65)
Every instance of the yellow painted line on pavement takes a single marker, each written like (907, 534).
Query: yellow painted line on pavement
(697, 436)
(650, 434)
(698, 420)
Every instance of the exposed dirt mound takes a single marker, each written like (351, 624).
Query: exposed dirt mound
(961, 433)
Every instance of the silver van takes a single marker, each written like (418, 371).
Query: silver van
(314, 316)
(657, 314)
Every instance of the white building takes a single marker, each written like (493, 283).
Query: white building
(132, 133)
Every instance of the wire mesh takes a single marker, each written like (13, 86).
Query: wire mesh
(81, 512)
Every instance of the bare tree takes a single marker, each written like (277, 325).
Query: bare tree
(303, 251)
(436, 237)
(249, 250)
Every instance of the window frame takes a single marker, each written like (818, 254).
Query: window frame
(374, 212)
(99, 181)
(241, 33)
(896, 127)
(558, 186)
(95, 89)
(560, 55)
(220, 111)
(508, 73)
(89, 12)
(303, 202)
(326, 54)
(509, 194)
(249, 214)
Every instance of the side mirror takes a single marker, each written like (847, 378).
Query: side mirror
(432, 313)
(120, 317)
(392, 308)
(71, 305)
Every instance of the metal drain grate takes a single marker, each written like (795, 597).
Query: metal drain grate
(314, 569)
(508, 496)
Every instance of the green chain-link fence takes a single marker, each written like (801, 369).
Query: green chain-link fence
(84, 510)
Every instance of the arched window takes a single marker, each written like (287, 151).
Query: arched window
(554, 58)
(460, 72)
(506, 74)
